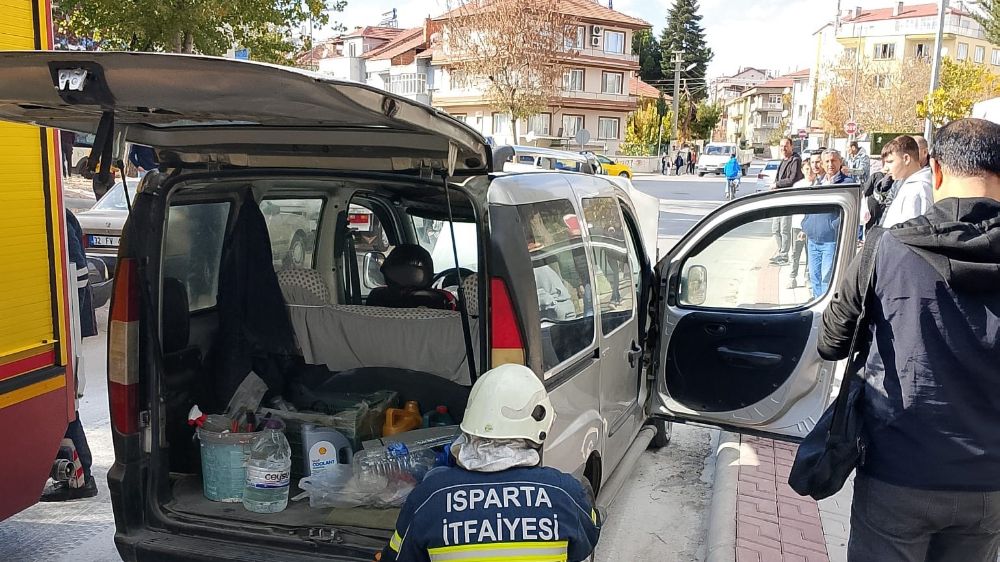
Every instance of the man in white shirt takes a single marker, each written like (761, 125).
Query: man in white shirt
(913, 194)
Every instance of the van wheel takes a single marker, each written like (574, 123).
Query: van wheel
(296, 256)
(664, 431)
(81, 166)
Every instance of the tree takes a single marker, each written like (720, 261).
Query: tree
(879, 96)
(987, 13)
(647, 47)
(642, 131)
(963, 84)
(684, 33)
(515, 47)
(209, 27)
(707, 116)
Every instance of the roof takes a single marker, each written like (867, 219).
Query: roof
(637, 87)
(913, 11)
(406, 41)
(780, 82)
(588, 10)
(375, 32)
(804, 73)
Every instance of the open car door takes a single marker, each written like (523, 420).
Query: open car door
(737, 343)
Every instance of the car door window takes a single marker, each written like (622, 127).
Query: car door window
(735, 269)
(562, 278)
(192, 251)
(612, 269)
(372, 243)
(292, 226)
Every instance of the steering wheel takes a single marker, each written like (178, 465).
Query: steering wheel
(441, 280)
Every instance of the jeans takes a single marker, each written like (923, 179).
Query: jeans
(798, 246)
(897, 524)
(820, 257)
(781, 228)
(74, 432)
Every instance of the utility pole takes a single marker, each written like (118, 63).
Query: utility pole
(678, 61)
(936, 67)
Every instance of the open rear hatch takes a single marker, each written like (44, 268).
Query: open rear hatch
(201, 110)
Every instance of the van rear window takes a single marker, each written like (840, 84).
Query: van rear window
(193, 249)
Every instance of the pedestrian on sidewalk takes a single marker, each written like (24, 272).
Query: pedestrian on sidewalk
(678, 163)
(928, 486)
(858, 162)
(911, 195)
(799, 237)
(663, 164)
(692, 159)
(789, 172)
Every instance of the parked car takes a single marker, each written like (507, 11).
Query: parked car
(528, 158)
(561, 281)
(613, 168)
(102, 229)
(767, 175)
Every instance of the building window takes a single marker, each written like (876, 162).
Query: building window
(573, 80)
(571, 124)
(980, 55)
(772, 121)
(501, 123)
(995, 57)
(922, 50)
(576, 37)
(851, 53)
(881, 81)
(885, 51)
(352, 50)
(611, 82)
(614, 42)
(539, 124)
(802, 111)
(963, 51)
(459, 80)
(461, 117)
(774, 99)
(607, 128)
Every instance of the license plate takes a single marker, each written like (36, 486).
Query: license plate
(104, 241)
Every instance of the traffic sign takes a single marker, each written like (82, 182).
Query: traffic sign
(803, 134)
(582, 137)
(851, 127)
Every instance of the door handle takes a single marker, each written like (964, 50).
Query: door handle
(716, 329)
(749, 358)
(633, 353)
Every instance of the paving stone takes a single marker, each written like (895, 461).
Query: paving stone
(750, 552)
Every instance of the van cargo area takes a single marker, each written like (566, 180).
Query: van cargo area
(272, 293)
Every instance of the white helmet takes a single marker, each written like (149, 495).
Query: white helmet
(509, 402)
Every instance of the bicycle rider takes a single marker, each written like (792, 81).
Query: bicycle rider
(733, 172)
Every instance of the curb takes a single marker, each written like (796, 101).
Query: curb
(721, 540)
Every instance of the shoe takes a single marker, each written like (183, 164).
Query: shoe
(779, 260)
(792, 284)
(60, 491)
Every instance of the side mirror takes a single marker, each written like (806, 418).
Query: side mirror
(694, 286)
(371, 275)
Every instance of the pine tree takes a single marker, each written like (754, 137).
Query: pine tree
(684, 33)
(647, 47)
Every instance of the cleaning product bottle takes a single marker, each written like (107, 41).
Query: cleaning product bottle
(438, 417)
(322, 447)
(268, 471)
(400, 420)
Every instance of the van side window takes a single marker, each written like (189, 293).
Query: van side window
(612, 267)
(562, 279)
(292, 226)
(371, 244)
(192, 252)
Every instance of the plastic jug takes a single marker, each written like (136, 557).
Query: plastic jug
(438, 417)
(323, 447)
(400, 420)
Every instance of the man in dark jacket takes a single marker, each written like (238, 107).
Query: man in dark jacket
(789, 172)
(929, 485)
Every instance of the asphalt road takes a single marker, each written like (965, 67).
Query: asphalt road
(659, 516)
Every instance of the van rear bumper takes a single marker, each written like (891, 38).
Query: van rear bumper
(152, 546)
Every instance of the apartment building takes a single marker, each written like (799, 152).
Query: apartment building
(343, 56)
(597, 91)
(727, 88)
(759, 113)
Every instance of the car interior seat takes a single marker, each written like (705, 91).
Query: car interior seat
(303, 287)
(183, 386)
(409, 272)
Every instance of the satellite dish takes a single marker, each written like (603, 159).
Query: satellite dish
(530, 137)
(582, 137)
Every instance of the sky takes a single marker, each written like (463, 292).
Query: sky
(770, 34)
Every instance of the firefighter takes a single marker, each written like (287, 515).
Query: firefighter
(498, 503)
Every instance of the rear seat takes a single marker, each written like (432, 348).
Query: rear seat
(346, 337)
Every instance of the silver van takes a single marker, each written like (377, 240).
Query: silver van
(477, 268)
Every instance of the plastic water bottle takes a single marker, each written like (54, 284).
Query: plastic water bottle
(268, 472)
(373, 468)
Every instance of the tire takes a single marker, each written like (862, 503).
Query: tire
(81, 166)
(664, 431)
(624, 175)
(296, 256)
(701, 174)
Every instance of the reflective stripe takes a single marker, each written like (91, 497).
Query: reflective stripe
(554, 551)
(396, 541)
(593, 516)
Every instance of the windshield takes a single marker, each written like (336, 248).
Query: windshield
(114, 200)
(720, 150)
(604, 160)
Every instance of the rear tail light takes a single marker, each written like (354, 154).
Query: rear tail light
(506, 342)
(86, 241)
(123, 349)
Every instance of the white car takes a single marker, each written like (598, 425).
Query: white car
(767, 175)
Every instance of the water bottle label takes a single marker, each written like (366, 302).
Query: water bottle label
(397, 449)
(267, 479)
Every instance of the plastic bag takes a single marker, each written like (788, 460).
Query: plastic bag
(337, 487)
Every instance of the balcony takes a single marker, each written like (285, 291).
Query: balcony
(596, 96)
(600, 53)
(408, 84)
(769, 107)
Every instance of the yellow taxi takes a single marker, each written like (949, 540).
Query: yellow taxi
(613, 168)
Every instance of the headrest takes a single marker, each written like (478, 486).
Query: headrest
(409, 266)
(303, 286)
(176, 315)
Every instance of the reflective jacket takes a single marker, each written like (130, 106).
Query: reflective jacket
(457, 515)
